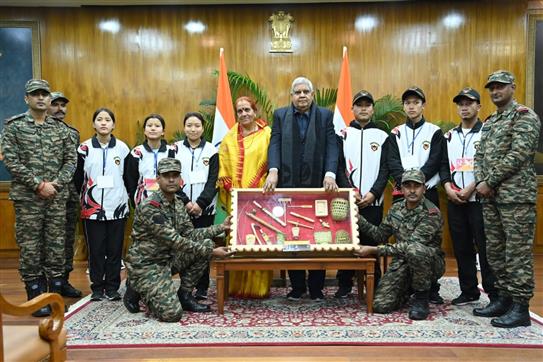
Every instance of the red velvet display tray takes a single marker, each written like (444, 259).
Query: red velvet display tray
(292, 208)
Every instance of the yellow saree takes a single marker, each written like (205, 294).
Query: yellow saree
(243, 163)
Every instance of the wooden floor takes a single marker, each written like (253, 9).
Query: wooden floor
(12, 288)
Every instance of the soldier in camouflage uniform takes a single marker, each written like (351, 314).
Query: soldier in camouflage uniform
(417, 258)
(506, 180)
(164, 237)
(58, 109)
(40, 155)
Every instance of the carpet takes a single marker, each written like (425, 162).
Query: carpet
(277, 321)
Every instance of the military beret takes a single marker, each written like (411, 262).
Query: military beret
(58, 95)
(36, 84)
(468, 93)
(500, 76)
(169, 164)
(414, 91)
(363, 95)
(415, 175)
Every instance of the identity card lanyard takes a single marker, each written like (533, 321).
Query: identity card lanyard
(463, 140)
(104, 158)
(198, 159)
(412, 144)
(155, 154)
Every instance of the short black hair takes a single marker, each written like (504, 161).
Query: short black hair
(157, 116)
(193, 114)
(103, 109)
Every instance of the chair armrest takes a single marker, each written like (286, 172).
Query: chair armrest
(50, 327)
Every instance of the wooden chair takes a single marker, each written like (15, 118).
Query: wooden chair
(31, 342)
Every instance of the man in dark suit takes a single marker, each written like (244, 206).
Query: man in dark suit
(303, 152)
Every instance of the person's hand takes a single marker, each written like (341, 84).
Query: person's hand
(357, 198)
(329, 184)
(484, 190)
(452, 195)
(222, 252)
(227, 223)
(271, 181)
(466, 192)
(48, 190)
(365, 250)
(367, 200)
(188, 206)
(195, 209)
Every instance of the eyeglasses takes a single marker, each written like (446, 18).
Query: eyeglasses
(304, 91)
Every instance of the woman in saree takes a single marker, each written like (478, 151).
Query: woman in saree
(243, 163)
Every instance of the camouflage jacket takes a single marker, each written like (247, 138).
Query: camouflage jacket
(505, 156)
(161, 230)
(34, 153)
(419, 225)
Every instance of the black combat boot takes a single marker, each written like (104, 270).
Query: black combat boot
(517, 316)
(55, 286)
(68, 290)
(33, 289)
(189, 303)
(434, 297)
(419, 308)
(496, 308)
(131, 299)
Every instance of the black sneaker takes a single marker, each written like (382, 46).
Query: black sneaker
(342, 292)
(97, 296)
(435, 298)
(295, 295)
(200, 294)
(68, 290)
(113, 295)
(317, 296)
(464, 299)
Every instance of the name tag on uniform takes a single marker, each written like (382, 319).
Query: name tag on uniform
(197, 177)
(410, 162)
(150, 184)
(104, 182)
(464, 164)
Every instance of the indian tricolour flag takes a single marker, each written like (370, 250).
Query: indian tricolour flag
(224, 112)
(343, 114)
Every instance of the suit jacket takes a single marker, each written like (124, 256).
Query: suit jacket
(303, 162)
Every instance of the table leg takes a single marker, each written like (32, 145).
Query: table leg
(370, 283)
(220, 288)
(360, 283)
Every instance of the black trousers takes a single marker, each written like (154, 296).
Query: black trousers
(202, 222)
(105, 244)
(315, 280)
(374, 215)
(467, 232)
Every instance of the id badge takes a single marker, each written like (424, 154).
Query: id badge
(104, 182)
(150, 184)
(465, 164)
(197, 177)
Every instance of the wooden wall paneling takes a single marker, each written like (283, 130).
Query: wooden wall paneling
(152, 64)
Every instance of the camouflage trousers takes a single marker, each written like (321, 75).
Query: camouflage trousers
(72, 216)
(39, 233)
(415, 269)
(510, 231)
(159, 291)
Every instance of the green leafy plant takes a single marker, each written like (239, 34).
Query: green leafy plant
(444, 125)
(326, 97)
(388, 112)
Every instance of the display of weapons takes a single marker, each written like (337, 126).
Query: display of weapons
(269, 213)
(262, 222)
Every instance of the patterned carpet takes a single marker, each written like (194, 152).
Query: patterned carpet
(276, 321)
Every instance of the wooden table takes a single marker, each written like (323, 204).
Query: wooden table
(363, 267)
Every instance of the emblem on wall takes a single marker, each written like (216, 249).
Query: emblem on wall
(280, 24)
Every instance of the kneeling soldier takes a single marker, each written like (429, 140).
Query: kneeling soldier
(164, 238)
(417, 258)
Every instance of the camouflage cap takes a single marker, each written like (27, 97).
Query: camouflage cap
(58, 95)
(415, 175)
(500, 76)
(363, 94)
(169, 164)
(35, 84)
(414, 91)
(468, 93)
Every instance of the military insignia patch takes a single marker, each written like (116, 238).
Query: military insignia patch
(159, 219)
(476, 145)
(425, 145)
(117, 160)
(374, 146)
(205, 160)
